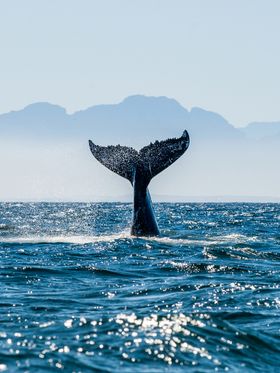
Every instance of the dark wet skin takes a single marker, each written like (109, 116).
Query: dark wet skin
(144, 220)
(139, 168)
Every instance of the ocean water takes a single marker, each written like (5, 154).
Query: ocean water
(78, 294)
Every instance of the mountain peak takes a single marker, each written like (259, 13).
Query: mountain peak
(148, 101)
(44, 107)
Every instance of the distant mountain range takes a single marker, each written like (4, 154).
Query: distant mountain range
(136, 116)
(262, 130)
(46, 156)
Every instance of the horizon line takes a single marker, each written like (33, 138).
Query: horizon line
(155, 201)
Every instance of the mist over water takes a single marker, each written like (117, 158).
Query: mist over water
(79, 294)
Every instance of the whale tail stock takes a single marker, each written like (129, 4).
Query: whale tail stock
(149, 161)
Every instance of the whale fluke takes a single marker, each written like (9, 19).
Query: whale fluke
(139, 168)
(157, 156)
(119, 159)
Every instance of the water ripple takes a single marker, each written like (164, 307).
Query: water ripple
(79, 294)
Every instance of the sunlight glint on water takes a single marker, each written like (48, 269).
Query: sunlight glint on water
(79, 294)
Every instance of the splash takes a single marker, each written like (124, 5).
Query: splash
(76, 240)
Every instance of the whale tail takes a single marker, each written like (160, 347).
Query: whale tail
(139, 168)
(151, 160)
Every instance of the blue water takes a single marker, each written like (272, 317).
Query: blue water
(78, 294)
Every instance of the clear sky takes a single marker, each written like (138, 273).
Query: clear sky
(222, 55)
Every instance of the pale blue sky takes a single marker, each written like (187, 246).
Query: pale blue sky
(222, 55)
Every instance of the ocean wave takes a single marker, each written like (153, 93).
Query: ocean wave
(78, 292)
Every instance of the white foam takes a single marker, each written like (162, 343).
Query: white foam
(207, 241)
(82, 240)
(78, 240)
(181, 241)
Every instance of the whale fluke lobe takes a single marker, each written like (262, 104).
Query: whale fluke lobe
(119, 159)
(139, 168)
(159, 155)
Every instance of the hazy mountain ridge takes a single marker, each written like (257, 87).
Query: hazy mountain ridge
(135, 113)
(47, 156)
(260, 130)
